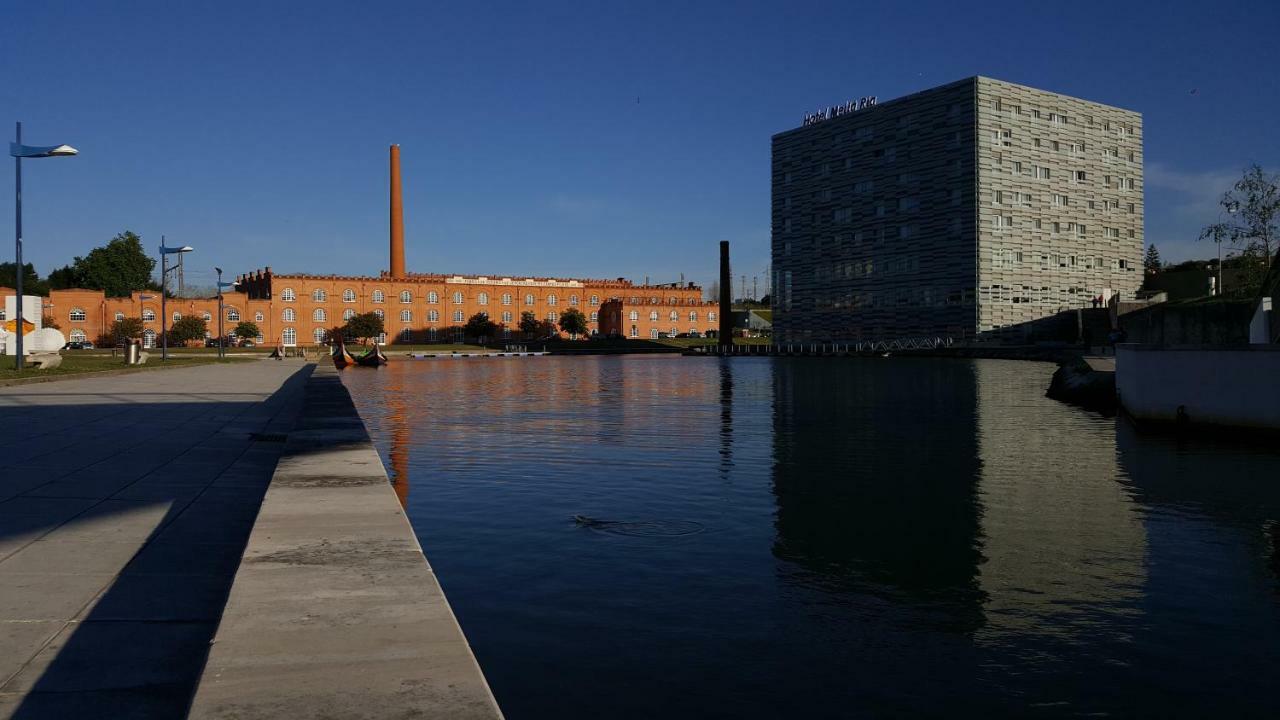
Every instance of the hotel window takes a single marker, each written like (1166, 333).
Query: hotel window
(786, 203)
(287, 295)
(319, 295)
(863, 133)
(954, 196)
(406, 297)
(290, 337)
(457, 298)
(634, 316)
(348, 295)
(1060, 200)
(176, 317)
(433, 316)
(1081, 231)
(506, 298)
(826, 169)
(1042, 172)
(1127, 184)
(594, 316)
(482, 299)
(998, 198)
(506, 316)
(257, 317)
(348, 314)
(864, 186)
(379, 296)
(1113, 233)
(786, 225)
(552, 300)
(1000, 222)
(457, 316)
(1132, 155)
(786, 178)
(317, 335)
(148, 315)
(1131, 208)
(1081, 176)
(693, 316)
(842, 215)
(319, 315)
(381, 315)
(233, 315)
(573, 300)
(406, 316)
(77, 315)
(528, 299)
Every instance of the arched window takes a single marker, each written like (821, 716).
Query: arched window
(457, 298)
(552, 300)
(693, 316)
(319, 295)
(381, 339)
(176, 317)
(674, 332)
(406, 335)
(634, 331)
(482, 298)
(149, 338)
(348, 295)
(207, 317)
(675, 315)
(506, 316)
(653, 333)
(432, 298)
(290, 337)
(379, 296)
(257, 317)
(406, 297)
(76, 335)
(595, 299)
(528, 299)
(319, 315)
(318, 335)
(287, 295)
(506, 298)
(119, 315)
(289, 315)
(552, 316)
(433, 316)
(634, 315)
(148, 315)
(233, 315)
(595, 316)
(348, 314)
(573, 300)
(653, 316)
(77, 315)
(381, 315)
(457, 316)
(406, 316)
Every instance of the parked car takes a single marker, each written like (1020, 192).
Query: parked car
(78, 345)
(247, 343)
(695, 334)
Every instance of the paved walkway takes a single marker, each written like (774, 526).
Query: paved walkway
(125, 505)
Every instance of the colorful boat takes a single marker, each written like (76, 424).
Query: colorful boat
(372, 358)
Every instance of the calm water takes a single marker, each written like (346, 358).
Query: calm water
(830, 538)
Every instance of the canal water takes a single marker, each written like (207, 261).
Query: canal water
(668, 537)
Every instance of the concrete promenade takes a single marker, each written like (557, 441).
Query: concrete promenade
(335, 612)
(125, 505)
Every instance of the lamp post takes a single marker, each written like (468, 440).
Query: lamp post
(19, 151)
(222, 313)
(165, 252)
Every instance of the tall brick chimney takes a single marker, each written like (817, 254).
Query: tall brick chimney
(726, 297)
(397, 217)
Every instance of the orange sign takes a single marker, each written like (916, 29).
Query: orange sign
(27, 326)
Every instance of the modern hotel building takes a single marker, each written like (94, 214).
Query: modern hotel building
(974, 208)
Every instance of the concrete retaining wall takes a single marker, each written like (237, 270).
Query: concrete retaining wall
(1229, 386)
(335, 611)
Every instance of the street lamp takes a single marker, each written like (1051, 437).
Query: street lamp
(19, 151)
(221, 312)
(165, 252)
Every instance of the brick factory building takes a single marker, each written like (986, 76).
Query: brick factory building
(974, 208)
(297, 309)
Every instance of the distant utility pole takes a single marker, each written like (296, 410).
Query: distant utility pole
(755, 280)
(182, 285)
(744, 287)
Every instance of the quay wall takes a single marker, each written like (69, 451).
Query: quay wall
(1219, 386)
(335, 611)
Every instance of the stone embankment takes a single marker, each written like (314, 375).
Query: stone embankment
(335, 611)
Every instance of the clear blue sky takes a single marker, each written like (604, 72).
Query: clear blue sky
(591, 139)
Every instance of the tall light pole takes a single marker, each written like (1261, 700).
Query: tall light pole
(222, 313)
(19, 151)
(165, 252)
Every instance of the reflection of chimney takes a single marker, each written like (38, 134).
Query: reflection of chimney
(397, 217)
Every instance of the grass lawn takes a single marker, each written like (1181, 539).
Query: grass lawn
(75, 363)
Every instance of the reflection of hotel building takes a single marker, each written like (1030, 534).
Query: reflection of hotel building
(963, 209)
(297, 309)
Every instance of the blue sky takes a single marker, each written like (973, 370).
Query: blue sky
(590, 139)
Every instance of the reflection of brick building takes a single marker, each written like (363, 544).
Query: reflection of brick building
(297, 309)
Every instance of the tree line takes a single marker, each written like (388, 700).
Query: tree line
(117, 268)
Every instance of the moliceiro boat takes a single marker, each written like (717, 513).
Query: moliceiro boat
(341, 358)
(373, 358)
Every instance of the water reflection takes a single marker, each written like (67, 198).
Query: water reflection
(879, 537)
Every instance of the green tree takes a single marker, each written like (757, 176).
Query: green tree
(125, 328)
(247, 330)
(573, 322)
(1150, 263)
(31, 282)
(118, 268)
(528, 323)
(1252, 225)
(64, 278)
(187, 328)
(364, 326)
(480, 326)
